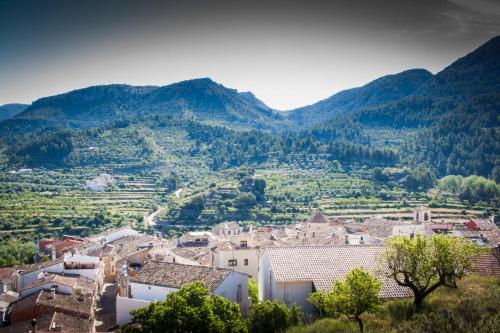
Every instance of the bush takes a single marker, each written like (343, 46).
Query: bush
(400, 310)
(271, 317)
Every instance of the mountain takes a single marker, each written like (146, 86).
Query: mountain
(10, 110)
(383, 90)
(476, 73)
(473, 77)
(201, 99)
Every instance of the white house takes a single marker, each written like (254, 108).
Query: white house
(291, 274)
(25, 275)
(227, 229)
(159, 278)
(109, 236)
(240, 259)
(196, 239)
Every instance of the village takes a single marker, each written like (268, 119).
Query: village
(92, 284)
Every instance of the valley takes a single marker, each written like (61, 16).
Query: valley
(199, 154)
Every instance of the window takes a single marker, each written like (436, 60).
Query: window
(232, 262)
(229, 232)
(243, 243)
(245, 262)
(238, 294)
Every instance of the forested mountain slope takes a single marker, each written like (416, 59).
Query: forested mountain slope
(10, 110)
(385, 89)
(200, 99)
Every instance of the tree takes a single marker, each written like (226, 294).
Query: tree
(245, 200)
(253, 290)
(272, 316)
(353, 297)
(425, 263)
(191, 309)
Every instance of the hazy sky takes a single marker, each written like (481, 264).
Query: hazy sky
(288, 53)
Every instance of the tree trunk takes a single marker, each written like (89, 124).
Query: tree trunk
(360, 323)
(418, 301)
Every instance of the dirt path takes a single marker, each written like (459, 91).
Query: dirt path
(150, 219)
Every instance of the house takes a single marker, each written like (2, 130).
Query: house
(487, 229)
(241, 254)
(49, 301)
(108, 258)
(58, 248)
(64, 284)
(109, 236)
(195, 239)
(157, 279)
(481, 224)
(24, 275)
(227, 229)
(291, 274)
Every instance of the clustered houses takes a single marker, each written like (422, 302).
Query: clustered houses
(60, 294)
(73, 291)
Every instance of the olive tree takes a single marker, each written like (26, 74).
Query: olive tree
(423, 264)
(357, 294)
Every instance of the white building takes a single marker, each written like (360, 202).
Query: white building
(291, 274)
(240, 259)
(109, 236)
(196, 239)
(158, 278)
(227, 229)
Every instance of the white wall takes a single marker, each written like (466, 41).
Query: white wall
(289, 292)
(147, 292)
(124, 306)
(295, 293)
(229, 290)
(222, 257)
(266, 282)
(28, 278)
(61, 288)
(114, 235)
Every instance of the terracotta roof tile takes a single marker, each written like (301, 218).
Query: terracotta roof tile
(177, 275)
(324, 264)
(487, 264)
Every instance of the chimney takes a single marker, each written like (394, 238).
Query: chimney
(34, 325)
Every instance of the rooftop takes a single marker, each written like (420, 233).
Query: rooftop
(318, 217)
(172, 275)
(59, 302)
(487, 264)
(485, 224)
(35, 267)
(324, 264)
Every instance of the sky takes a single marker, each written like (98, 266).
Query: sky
(288, 53)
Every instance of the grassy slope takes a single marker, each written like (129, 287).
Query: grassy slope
(473, 307)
